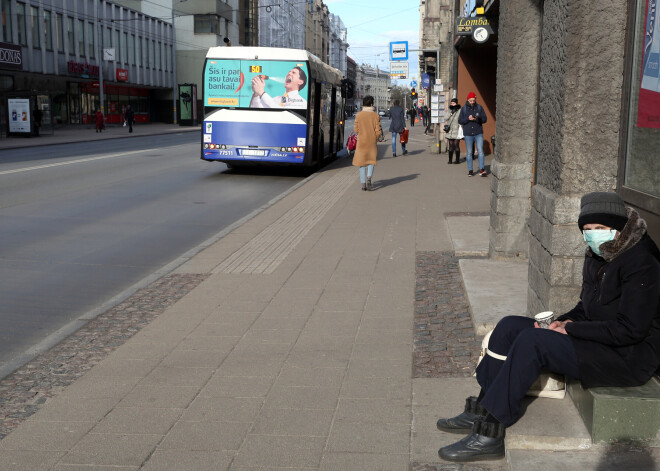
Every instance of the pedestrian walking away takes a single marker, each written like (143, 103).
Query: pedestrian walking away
(452, 129)
(368, 129)
(472, 117)
(412, 114)
(129, 117)
(611, 338)
(397, 125)
(37, 115)
(99, 120)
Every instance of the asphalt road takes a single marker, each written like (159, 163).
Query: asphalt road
(81, 223)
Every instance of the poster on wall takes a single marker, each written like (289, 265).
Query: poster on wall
(648, 110)
(185, 101)
(19, 115)
(255, 84)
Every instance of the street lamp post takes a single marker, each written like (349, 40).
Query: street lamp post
(174, 85)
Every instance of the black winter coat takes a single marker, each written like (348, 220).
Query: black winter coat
(616, 324)
(472, 128)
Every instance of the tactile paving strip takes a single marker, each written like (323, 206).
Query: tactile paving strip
(270, 247)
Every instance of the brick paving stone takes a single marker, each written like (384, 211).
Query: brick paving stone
(445, 344)
(44, 377)
(459, 467)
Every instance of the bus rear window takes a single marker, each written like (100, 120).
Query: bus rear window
(255, 84)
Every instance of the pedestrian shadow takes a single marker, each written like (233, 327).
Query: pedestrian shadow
(378, 184)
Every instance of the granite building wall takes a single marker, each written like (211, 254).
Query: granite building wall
(560, 78)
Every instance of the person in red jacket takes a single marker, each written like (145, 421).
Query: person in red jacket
(610, 338)
(99, 120)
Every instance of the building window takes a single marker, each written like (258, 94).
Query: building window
(90, 39)
(207, 24)
(70, 36)
(146, 53)
(158, 58)
(107, 37)
(131, 49)
(6, 21)
(21, 26)
(124, 47)
(59, 26)
(115, 44)
(153, 54)
(34, 26)
(641, 164)
(138, 51)
(81, 37)
(48, 30)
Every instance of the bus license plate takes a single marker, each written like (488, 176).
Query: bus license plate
(254, 152)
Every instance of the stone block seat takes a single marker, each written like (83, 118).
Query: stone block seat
(619, 414)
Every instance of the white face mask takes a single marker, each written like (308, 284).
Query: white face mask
(596, 237)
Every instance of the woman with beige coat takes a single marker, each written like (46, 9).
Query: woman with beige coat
(367, 127)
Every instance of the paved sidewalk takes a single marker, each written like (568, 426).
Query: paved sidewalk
(84, 133)
(294, 350)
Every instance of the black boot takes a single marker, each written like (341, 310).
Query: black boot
(458, 157)
(451, 156)
(485, 442)
(463, 422)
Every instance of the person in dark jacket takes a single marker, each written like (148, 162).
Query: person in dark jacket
(397, 125)
(472, 118)
(610, 338)
(412, 115)
(129, 117)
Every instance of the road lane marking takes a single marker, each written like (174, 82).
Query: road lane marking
(91, 159)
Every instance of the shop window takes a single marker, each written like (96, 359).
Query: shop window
(59, 32)
(21, 26)
(641, 166)
(48, 31)
(34, 27)
(6, 20)
(205, 24)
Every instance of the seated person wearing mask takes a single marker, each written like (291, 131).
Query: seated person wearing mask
(610, 338)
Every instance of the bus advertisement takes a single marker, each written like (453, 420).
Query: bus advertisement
(270, 106)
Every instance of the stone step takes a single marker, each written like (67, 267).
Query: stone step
(548, 424)
(616, 457)
(614, 414)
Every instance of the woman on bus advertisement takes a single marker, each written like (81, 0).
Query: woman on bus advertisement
(226, 84)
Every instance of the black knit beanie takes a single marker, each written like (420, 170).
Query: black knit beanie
(603, 208)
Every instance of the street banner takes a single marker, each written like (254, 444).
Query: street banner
(648, 111)
(426, 81)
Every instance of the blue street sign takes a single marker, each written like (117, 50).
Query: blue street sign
(426, 81)
(399, 51)
(413, 83)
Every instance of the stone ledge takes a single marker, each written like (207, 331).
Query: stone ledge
(614, 414)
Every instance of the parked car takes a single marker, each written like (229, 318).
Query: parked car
(381, 113)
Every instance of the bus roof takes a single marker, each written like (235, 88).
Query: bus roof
(262, 53)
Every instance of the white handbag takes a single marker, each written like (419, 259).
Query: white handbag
(548, 384)
(460, 132)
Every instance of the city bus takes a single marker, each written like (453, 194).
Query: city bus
(270, 106)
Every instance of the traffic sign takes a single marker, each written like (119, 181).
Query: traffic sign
(413, 83)
(399, 70)
(399, 51)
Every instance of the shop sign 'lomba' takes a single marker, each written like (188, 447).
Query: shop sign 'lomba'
(11, 57)
(479, 27)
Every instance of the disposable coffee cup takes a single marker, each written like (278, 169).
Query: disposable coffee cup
(544, 319)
